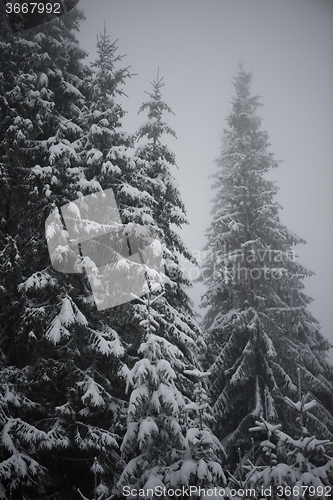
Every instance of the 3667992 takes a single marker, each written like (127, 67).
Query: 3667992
(300, 491)
(33, 7)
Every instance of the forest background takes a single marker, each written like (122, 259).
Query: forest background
(65, 408)
(197, 46)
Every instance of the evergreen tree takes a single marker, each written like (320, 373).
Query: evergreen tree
(63, 363)
(173, 335)
(166, 208)
(154, 436)
(162, 446)
(307, 469)
(264, 474)
(258, 327)
(201, 463)
(140, 182)
(59, 406)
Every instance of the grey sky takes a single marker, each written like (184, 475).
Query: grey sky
(197, 44)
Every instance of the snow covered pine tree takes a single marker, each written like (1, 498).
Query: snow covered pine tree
(62, 396)
(306, 471)
(170, 349)
(58, 404)
(167, 210)
(160, 207)
(170, 451)
(201, 464)
(258, 327)
(154, 436)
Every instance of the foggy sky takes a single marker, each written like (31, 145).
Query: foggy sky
(197, 45)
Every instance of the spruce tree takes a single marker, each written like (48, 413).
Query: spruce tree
(63, 362)
(201, 463)
(167, 210)
(173, 335)
(258, 326)
(133, 177)
(59, 407)
(307, 467)
(165, 449)
(155, 437)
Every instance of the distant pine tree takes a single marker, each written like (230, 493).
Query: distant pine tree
(258, 327)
